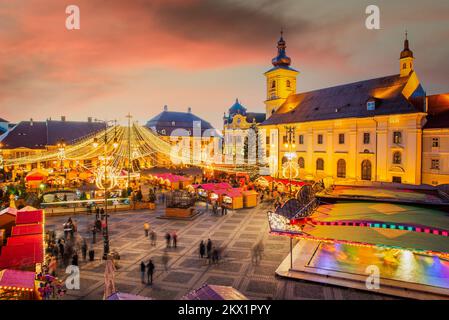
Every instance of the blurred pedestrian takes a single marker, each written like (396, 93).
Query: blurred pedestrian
(153, 238)
(150, 271)
(165, 260)
(167, 239)
(175, 239)
(146, 228)
(142, 272)
(202, 249)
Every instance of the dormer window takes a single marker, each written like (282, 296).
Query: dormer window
(288, 83)
(371, 105)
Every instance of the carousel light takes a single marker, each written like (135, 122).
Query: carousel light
(95, 144)
(115, 144)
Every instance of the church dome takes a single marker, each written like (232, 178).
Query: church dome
(281, 60)
(237, 108)
(406, 53)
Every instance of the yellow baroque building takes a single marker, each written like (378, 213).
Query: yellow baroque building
(384, 129)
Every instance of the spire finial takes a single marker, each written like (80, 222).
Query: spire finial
(406, 34)
(282, 32)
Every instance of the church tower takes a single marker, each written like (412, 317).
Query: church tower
(281, 80)
(406, 59)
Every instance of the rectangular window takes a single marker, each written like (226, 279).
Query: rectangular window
(435, 164)
(397, 179)
(267, 140)
(301, 139)
(320, 139)
(371, 105)
(435, 142)
(397, 137)
(366, 138)
(284, 140)
(341, 138)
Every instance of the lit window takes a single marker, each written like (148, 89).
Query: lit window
(435, 164)
(435, 142)
(301, 162)
(371, 105)
(319, 164)
(397, 158)
(397, 137)
(366, 138)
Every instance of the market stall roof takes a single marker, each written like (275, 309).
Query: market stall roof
(213, 186)
(28, 217)
(214, 292)
(283, 181)
(17, 279)
(25, 239)
(27, 208)
(170, 177)
(10, 211)
(20, 230)
(21, 255)
(126, 296)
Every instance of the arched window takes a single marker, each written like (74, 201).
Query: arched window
(273, 84)
(284, 159)
(319, 164)
(288, 83)
(366, 170)
(397, 157)
(341, 168)
(301, 162)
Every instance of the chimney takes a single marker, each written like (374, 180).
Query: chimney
(62, 118)
(165, 108)
(89, 119)
(31, 121)
(189, 110)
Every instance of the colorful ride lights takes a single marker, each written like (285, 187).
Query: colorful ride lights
(401, 227)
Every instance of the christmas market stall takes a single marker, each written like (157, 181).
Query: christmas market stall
(179, 204)
(250, 198)
(17, 285)
(7, 221)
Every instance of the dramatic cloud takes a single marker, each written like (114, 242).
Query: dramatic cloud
(139, 55)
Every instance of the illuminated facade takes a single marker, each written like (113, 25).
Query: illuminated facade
(236, 125)
(193, 139)
(372, 130)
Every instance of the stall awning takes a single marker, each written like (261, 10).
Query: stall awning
(21, 230)
(28, 217)
(17, 279)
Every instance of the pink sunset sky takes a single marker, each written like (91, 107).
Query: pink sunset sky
(137, 56)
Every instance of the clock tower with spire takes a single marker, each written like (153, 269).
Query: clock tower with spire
(281, 79)
(406, 59)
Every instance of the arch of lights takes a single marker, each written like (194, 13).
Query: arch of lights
(132, 143)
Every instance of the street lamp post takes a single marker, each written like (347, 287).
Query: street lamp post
(291, 145)
(105, 157)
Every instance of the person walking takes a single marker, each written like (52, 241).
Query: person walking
(142, 272)
(94, 234)
(207, 205)
(75, 259)
(202, 249)
(167, 239)
(175, 239)
(61, 248)
(209, 248)
(153, 238)
(150, 271)
(146, 228)
(84, 250)
(165, 260)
